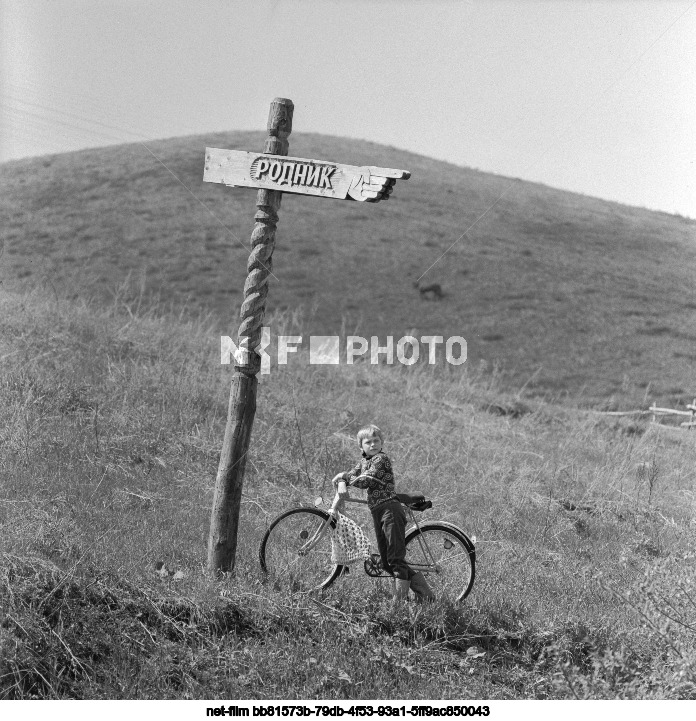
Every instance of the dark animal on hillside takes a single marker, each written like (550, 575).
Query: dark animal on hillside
(429, 292)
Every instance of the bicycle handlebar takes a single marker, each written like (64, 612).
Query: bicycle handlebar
(346, 499)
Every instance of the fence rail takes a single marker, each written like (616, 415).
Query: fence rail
(690, 412)
(655, 411)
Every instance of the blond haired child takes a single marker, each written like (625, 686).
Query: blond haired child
(374, 473)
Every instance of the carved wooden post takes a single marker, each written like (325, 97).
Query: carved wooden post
(222, 541)
(273, 174)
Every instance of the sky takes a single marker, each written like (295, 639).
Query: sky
(593, 96)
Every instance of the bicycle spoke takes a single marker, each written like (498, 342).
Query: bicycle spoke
(299, 530)
(442, 556)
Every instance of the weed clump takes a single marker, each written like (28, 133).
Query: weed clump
(81, 636)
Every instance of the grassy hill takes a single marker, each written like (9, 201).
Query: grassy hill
(572, 296)
(111, 421)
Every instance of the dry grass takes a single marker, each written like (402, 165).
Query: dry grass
(111, 424)
(575, 297)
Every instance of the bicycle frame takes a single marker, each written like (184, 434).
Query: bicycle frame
(336, 507)
(432, 566)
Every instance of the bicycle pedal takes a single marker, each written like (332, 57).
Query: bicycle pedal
(373, 565)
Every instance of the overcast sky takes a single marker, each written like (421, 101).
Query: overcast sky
(596, 97)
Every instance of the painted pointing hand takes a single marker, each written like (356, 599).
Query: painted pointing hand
(374, 184)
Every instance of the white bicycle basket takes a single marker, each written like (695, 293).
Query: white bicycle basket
(348, 542)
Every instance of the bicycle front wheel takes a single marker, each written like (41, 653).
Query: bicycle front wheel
(295, 552)
(446, 557)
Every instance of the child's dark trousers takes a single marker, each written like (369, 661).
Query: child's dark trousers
(390, 527)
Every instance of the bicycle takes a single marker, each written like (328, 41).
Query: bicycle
(296, 550)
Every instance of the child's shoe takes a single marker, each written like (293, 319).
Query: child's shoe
(420, 587)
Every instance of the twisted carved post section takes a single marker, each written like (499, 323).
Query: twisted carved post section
(224, 522)
(263, 238)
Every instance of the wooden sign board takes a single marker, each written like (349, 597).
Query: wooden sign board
(300, 175)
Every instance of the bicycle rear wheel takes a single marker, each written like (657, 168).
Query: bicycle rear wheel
(446, 557)
(280, 549)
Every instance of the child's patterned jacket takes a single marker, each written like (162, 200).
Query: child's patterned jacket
(380, 487)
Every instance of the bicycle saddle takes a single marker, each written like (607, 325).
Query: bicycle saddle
(415, 501)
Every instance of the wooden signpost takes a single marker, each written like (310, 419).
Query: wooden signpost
(273, 173)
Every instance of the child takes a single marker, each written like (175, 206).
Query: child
(374, 472)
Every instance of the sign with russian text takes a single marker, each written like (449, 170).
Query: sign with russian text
(300, 175)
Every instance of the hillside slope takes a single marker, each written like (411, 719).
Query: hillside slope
(569, 294)
(111, 422)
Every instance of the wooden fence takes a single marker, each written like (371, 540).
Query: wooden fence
(657, 413)
(690, 413)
